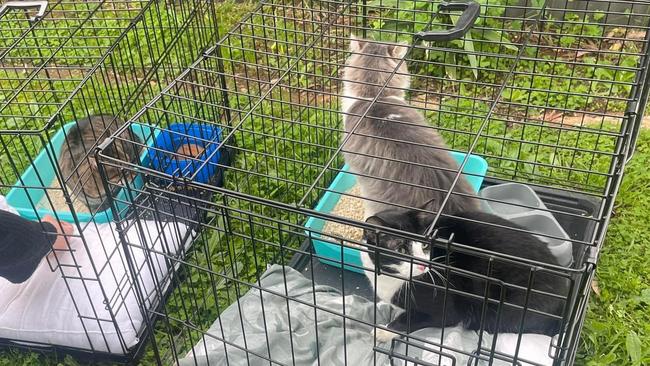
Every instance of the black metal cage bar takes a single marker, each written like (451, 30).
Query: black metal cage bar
(61, 62)
(549, 93)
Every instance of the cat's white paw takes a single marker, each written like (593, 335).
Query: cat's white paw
(384, 336)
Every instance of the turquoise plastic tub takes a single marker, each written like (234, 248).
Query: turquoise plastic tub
(330, 253)
(43, 170)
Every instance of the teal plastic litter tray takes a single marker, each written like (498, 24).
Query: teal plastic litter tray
(42, 172)
(330, 253)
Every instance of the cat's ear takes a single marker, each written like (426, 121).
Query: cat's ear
(356, 44)
(376, 220)
(423, 220)
(399, 50)
(443, 232)
(426, 204)
(370, 235)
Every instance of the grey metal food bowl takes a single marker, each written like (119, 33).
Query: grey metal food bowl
(520, 204)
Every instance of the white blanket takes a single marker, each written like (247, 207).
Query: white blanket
(43, 311)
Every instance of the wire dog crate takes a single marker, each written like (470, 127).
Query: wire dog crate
(546, 97)
(61, 62)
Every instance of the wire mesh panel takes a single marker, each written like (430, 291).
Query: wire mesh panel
(403, 151)
(252, 289)
(71, 73)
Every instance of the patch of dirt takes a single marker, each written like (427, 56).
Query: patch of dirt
(430, 101)
(75, 73)
(617, 39)
(584, 119)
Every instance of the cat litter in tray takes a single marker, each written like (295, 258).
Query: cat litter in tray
(186, 150)
(520, 204)
(342, 199)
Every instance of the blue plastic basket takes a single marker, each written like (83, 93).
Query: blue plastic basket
(179, 134)
(330, 253)
(42, 171)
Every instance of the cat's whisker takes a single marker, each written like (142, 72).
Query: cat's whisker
(433, 282)
(439, 275)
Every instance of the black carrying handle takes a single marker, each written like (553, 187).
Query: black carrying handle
(471, 10)
(40, 4)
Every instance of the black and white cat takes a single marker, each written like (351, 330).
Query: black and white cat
(405, 276)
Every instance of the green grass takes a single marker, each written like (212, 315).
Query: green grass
(617, 330)
(118, 87)
(589, 85)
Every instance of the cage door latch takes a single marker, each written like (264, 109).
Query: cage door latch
(471, 10)
(41, 5)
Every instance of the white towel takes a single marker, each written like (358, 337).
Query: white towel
(41, 310)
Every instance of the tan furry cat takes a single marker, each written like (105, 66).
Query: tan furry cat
(84, 183)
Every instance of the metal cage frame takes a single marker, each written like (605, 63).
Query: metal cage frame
(62, 61)
(272, 84)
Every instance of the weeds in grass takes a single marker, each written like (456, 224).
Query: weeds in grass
(617, 327)
(567, 66)
(103, 93)
(616, 331)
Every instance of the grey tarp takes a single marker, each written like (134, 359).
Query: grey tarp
(298, 334)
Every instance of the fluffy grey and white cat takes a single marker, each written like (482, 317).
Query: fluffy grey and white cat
(395, 155)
